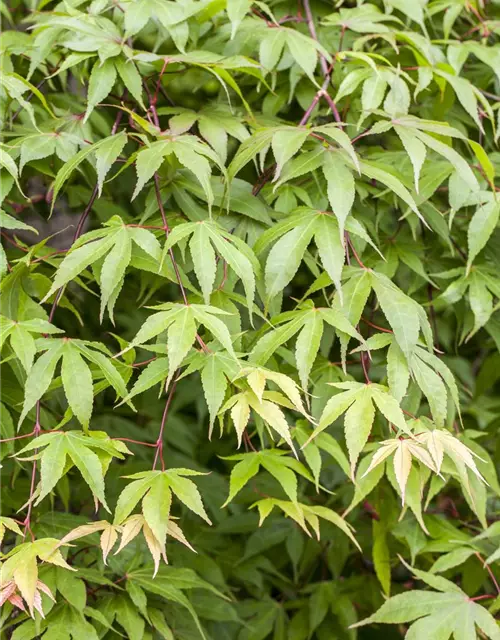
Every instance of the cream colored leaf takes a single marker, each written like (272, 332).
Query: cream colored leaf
(240, 414)
(156, 549)
(37, 604)
(434, 446)
(388, 447)
(289, 388)
(176, 532)
(274, 417)
(108, 538)
(421, 454)
(25, 576)
(257, 382)
(439, 441)
(84, 530)
(41, 586)
(402, 466)
(453, 446)
(55, 557)
(130, 529)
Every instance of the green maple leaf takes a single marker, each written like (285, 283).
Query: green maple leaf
(111, 248)
(90, 454)
(448, 611)
(75, 373)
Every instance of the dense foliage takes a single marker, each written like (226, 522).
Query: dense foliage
(258, 332)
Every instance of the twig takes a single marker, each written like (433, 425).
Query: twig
(26, 435)
(28, 98)
(354, 252)
(159, 441)
(144, 444)
(247, 441)
(27, 520)
(144, 362)
(433, 316)
(365, 363)
(376, 326)
(488, 569)
(314, 36)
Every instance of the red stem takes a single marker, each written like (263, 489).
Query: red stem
(27, 435)
(159, 441)
(354, 252)
(141, 364)
(365, 364)
(375, 326)
(314, 36)
(27, 520)
(488, 569)
(145, 444)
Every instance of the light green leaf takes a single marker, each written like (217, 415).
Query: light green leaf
(341, 188)
(283, 475)
(148, 161)
(101, 81)
(78, 260)
(216, 327)
(9, 222)
(152, 374)
(52, 466)
(373, 93)
(358, 423)
(89, 466)
(481, 226)
(131, 495)
(398, 373)
(399, 310)
(106, 155)
(39, 378)
(113, 270)
(285, 257)
(77, 383)
(285, 144)
(307, 346)
(415, 149)
(156, 506)
(214, 384)
(241, 474)
(240, 263)
(374, 172)
(188, 494)
(131, 78)
(180, 337)
(203, 259)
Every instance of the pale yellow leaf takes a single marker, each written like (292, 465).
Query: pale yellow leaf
(402, 466)
(257, 382)
(130, 529)
(156, 549)
(108, 539)
(240, 414)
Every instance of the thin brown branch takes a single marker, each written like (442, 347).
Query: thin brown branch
(131, 440)
(27, 520)
(159, 441)
(376, 326)
(488, 569)
(354, 252)
(312, 30)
